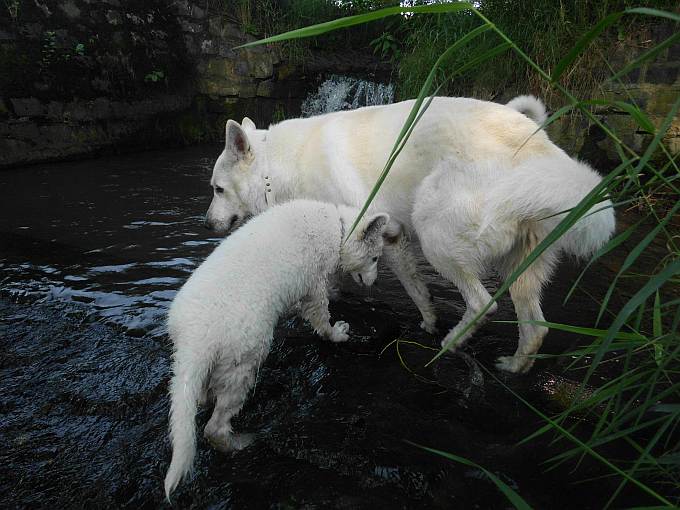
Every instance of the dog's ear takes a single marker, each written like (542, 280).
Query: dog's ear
(247, 124)
(237, 141)
(375, 226)
(392, 231)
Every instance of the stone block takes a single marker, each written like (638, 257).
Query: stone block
(662, 73)
(70, 9)
(13, 152)
(101, 108)
(247, 90)
(188, 26)
(24, 130)
(260, 64)
(218, 86)
(114, 17)
(55, 110)
(27, 107)
(266, 88)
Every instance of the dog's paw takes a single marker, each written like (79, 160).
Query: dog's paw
(340, 332)
(227, 443)
(429, 326)
(514, 364)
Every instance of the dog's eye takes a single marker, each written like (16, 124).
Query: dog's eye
(375, 259)
(219, 190)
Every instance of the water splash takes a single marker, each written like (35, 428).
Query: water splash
(346, 93)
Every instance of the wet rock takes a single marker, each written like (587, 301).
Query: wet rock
(70, 9)
(114, 17)
(28, 107)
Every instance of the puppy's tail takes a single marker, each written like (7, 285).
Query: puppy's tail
(187, 384)
(530, 106)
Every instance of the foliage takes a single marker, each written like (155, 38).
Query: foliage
(268, 17)
(638, 407)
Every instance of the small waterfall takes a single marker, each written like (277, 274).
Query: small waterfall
(346, 93)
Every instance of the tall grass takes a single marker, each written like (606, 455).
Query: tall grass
(639, 407)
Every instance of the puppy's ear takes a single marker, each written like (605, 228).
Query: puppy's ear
(374, 227)
(237, 141)
(247, 124)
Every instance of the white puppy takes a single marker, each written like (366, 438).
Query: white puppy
(222, 319)
(487, 215)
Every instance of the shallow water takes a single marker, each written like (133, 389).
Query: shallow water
(91, 255)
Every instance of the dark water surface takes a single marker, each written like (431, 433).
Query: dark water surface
(92, 253)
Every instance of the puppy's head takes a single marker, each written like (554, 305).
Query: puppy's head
(359, 254)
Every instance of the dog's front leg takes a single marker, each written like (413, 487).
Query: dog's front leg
(399, 257)
(314, 309)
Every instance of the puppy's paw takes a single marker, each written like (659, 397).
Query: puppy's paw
(514, 364)
(430, 326)
(451, 348)
(340, 332)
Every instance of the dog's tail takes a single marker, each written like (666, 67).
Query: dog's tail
(541, 192)
(590, 232)
(190, 372)
(530, 106)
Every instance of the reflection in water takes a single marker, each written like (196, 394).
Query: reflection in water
(118, 237)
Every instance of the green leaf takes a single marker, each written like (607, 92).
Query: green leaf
(514, 498)
(414, 116)
(359, 19)
(654, 12)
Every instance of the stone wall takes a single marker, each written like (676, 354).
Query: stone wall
(654, 87)
(82, 77)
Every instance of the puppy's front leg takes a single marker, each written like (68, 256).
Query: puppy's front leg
(314, 308)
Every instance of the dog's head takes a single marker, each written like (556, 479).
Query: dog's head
(360, 252)
(236, 181)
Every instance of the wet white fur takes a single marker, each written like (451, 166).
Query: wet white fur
(475, 217)
(337, 158)
(222, 320)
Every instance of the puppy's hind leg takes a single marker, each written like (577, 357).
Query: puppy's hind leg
(230, 383)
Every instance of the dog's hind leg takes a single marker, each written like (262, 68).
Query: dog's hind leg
(399, 257)
(526, 296)
(230, 383)
(476, 298)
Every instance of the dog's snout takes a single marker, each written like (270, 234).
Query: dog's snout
(232, 221)
(207, 224)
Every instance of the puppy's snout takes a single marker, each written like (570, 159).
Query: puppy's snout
(208, 224)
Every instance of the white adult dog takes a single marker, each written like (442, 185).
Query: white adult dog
(337, 158)
(222, 319)
(488, 215)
